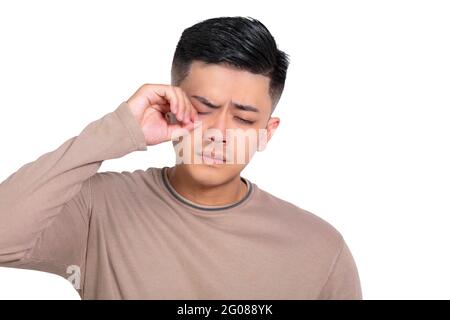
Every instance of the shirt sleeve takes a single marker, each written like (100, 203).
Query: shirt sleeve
(343, 282)
(45, 204)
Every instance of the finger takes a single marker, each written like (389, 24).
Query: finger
(175, 103)
(187, 112)
(165, 94)
(194, 114)
(189, 107)
(176, 130)
(181, 106)
(191, 125)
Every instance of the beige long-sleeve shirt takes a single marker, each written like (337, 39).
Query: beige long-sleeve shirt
(130, 235)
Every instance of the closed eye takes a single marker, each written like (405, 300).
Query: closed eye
(244, 120)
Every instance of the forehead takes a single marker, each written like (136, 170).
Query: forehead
(222, 84)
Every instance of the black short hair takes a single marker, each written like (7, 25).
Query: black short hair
(240, 42)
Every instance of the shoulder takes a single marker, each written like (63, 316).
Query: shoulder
(303, 225)
(122, 177)
(111, 182)
(121, 194)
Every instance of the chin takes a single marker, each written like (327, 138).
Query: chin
(211, 174)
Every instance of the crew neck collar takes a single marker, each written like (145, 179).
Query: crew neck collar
(165, 179)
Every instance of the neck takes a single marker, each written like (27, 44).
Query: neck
(218, 195)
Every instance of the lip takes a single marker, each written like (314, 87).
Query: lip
(209, 160)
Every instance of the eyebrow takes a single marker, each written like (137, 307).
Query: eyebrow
(240, 106)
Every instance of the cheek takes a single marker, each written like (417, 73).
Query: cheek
(241, 148)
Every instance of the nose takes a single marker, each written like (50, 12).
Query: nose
(216, 130)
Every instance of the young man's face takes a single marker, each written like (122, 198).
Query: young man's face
(235, 109)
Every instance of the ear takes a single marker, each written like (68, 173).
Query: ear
(263, 139)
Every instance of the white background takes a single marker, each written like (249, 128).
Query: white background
(364, 134)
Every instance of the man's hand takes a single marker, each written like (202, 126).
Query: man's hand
(150, 104)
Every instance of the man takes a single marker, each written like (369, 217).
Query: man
(196, 230)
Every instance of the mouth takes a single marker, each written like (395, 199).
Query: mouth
(213, 159)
